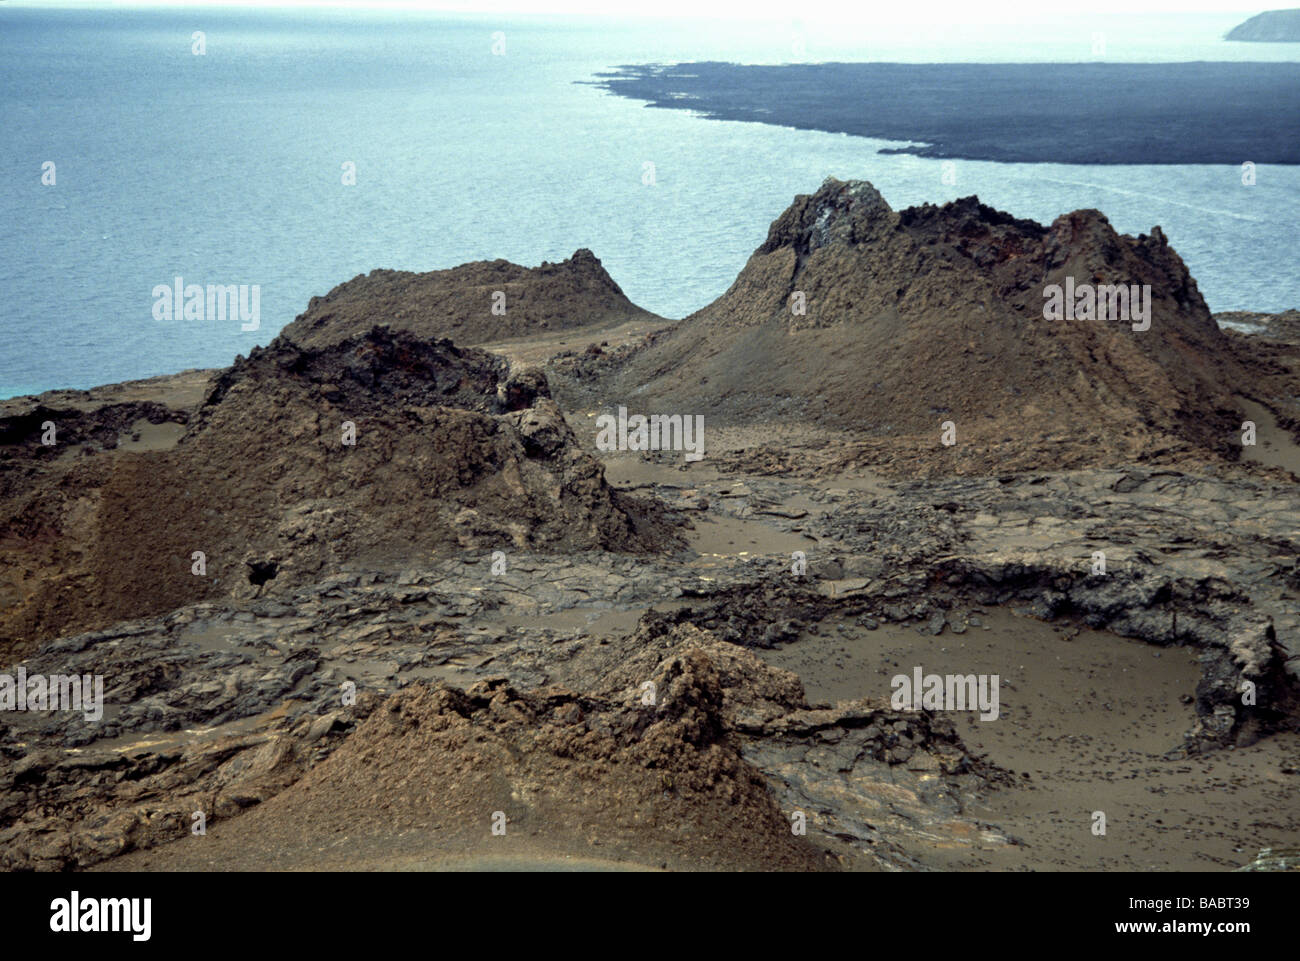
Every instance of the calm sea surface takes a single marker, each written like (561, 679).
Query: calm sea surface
(226, 168)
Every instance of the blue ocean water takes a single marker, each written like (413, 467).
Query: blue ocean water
(226, 168)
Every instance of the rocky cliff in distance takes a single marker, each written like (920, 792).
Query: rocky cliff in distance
(458, 303)
(1272, 26)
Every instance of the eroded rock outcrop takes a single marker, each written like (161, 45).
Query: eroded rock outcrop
(459, 303)
(888, 324)
(381, 449)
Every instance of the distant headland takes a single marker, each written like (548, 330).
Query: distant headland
(1272, 26)
(1081, 113)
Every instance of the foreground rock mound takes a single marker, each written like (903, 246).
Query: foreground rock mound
(667, 748)
(603, 772)
(890, 324)
(458, 303)
(382, 450)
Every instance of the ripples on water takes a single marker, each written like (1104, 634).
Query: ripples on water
(226, 168)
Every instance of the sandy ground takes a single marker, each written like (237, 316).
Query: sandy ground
(527, 351)
(1273, 447)
(183, 390)
(1085, 718)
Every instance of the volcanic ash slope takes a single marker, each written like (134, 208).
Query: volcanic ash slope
(934, 314)
(459, 303)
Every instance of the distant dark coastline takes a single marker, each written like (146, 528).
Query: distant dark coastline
(1085, 113)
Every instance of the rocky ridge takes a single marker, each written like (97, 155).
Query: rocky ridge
(887, 325)
(474, 303)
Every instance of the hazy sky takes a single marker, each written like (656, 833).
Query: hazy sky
(807, 10)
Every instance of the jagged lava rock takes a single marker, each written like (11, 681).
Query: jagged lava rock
(451, 453)
(932, 314)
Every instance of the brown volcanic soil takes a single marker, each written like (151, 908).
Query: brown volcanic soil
(457, 303)
(451, 453)
(933, 314)
(378, 551)
(1085, 721)
(601, 774)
